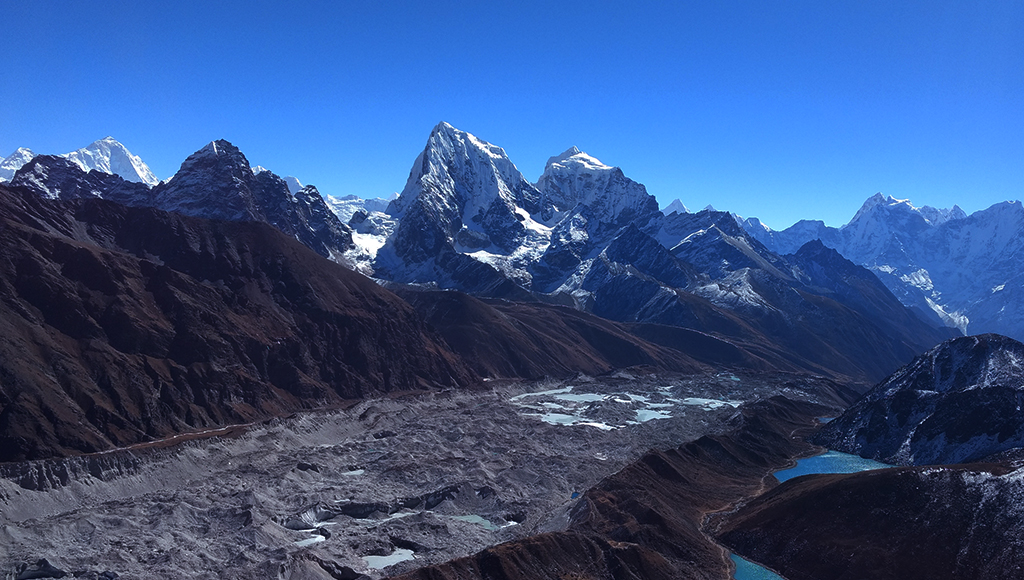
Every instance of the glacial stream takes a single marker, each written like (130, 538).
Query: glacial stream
(828, 462)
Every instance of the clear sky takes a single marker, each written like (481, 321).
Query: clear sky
(782, 110)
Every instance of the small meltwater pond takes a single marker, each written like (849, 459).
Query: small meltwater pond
(380, 562)
(484, 522)
(828, 462)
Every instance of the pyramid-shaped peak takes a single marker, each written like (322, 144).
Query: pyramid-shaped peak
(215, 154)
(444, 127)
(20, 153)
(445, 140)
(219, 147)
(13, 162)
(676, 207)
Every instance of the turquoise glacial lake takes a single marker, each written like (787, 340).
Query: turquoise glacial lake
(747, 570)
(828, 462)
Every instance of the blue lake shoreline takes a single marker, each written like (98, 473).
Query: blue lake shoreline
(827, 462)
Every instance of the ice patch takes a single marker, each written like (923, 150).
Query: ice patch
(644, 415)
(309, 541)
(565, 407)
(484, 522)
(709, 403)
(541, 393)
(381, 562)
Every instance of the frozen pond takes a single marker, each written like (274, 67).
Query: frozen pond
(310, 541)
(379, 562)
(710, 403)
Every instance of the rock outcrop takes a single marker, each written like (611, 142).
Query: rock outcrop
(959, 402)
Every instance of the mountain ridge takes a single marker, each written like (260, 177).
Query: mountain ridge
(957, 403)
(955, 269)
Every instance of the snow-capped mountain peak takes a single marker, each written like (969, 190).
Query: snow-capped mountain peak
(573, 156)
(755, 224)
(565, 155)
(294, 185)
(462, 175)
(13, 162)
(110, 156)
(576, 178)
(675, 207)
(890, 205)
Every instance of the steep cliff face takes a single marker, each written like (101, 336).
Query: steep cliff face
(123, 325)
(959, 402)
(468, 219)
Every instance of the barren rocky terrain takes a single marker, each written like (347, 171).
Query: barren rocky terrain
(382, 487)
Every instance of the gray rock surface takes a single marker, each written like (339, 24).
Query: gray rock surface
(382, 487)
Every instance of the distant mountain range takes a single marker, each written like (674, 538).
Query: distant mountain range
(133, 310)
(963, 271)
(473, 222)
(106, 155)
(584, 235)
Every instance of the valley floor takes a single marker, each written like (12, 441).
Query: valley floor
(381, 488)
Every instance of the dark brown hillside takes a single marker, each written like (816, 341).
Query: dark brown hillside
(120, 325)
(961, 522)
(500, 338)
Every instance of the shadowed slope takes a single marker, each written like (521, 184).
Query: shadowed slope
(122, 325)
(958, 522)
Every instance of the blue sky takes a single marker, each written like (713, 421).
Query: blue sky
(781, 110)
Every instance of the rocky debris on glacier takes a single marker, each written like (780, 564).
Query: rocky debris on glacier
(379, 487)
